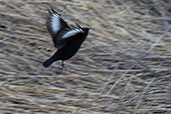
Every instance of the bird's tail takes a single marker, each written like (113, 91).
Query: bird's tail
(48, 62)
(54, 58)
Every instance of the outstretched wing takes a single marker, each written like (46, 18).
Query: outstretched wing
(71, 33)
(55, 23)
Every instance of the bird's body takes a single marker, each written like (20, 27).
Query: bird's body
(67, 40)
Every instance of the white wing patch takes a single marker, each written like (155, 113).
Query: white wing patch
(55, 22)
(72, 33)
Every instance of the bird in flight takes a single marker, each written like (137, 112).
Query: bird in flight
(66, 39)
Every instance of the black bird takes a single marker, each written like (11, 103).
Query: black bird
(68, 40)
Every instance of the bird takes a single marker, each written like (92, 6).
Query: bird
(67, 40)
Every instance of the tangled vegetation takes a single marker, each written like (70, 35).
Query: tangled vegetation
(124, 66)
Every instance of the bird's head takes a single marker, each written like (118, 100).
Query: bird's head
(85, 29)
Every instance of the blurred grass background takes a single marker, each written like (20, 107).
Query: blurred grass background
(124, 66)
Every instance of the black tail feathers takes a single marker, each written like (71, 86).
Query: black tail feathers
(48, 62)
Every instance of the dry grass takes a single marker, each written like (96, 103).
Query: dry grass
(124, 66)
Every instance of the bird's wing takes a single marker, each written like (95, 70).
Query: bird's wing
(55, 23)
(71, 33)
